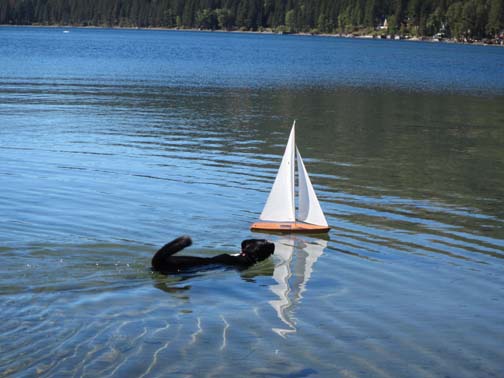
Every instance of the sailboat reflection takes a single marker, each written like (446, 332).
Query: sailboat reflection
(295, 258)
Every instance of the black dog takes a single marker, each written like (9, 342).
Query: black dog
(252, 251)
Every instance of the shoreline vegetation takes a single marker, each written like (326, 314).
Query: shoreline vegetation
(462, 21)
(356, 35)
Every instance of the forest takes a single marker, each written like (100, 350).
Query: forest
(458, 19)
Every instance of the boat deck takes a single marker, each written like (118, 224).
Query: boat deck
(288, 227)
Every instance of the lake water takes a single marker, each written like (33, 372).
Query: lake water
(113, 142)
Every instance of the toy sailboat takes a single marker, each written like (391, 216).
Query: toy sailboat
(279, 213)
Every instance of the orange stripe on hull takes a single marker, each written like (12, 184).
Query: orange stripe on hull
(289, 227)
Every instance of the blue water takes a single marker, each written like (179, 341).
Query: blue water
(181, 59)
(113, 142)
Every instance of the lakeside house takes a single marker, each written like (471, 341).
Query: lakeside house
(383, 26)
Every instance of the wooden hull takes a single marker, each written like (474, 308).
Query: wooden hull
(289, 227)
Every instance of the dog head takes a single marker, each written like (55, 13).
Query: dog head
(257, 249)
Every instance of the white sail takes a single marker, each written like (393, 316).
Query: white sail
(309, 206)
(280, 205)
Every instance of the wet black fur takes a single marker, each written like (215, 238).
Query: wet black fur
(252, 251)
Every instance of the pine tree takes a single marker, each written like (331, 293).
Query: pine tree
(462, 18)
(495, 17)
(290, 22)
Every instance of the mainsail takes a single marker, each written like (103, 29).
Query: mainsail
(280, 206)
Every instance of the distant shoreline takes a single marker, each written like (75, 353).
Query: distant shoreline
(390, 37)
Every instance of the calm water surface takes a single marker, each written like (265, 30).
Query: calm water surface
(114, 142)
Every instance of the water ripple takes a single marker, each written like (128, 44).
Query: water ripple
(98, 172)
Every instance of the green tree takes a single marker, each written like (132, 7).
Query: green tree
(188, 14)
(495, 17)
(434, 22)
(241, 15)
(463, 18)
(454, 19)
(392, 25)
(206, 19)
(356, 14)
(474, 19)
(290, 21)
(324, 24)
(369, 13)
(225, 19)
(254, 14)
(345, 20)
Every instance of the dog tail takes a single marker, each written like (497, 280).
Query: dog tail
(170, 249)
